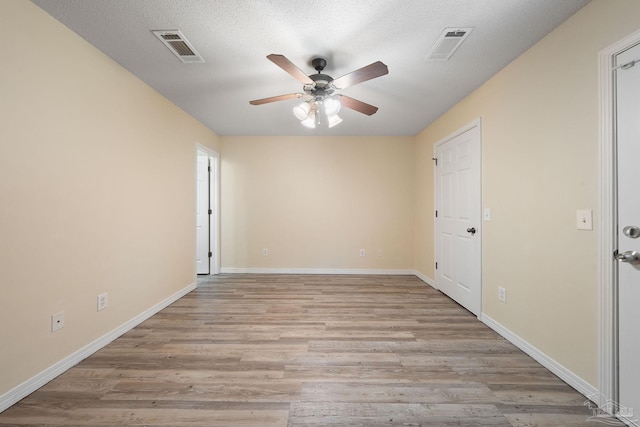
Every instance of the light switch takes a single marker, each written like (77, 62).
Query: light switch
(584, 219)
(487, 214)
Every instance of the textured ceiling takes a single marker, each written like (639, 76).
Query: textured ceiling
(235, 36)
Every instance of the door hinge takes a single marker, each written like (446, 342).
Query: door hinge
(435, 159)
(436, 214)
(210, 211)
(210, 254)
(436, 265)
(209, 168)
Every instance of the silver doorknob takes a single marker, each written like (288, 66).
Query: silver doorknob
(632, 257)
(631, 231)
(471, 230)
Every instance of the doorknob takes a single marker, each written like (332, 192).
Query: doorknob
(632, 257)
(471, 230)
(631, 231)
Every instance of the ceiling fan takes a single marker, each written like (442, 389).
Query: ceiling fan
(322, 103)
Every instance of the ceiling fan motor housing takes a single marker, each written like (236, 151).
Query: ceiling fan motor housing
(322, 82)
(321, 87)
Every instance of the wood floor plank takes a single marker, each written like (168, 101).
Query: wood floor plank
(307, 350)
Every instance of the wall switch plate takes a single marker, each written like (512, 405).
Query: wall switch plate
(487, 214)
(502, 294)
(361, 252)
(57, 321)
(265, 251)
(103, 301)
(584, 219)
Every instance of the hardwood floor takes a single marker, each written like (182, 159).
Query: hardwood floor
(290, 350)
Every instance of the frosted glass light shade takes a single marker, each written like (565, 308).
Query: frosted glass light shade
(301, 111)
(310, 120)
(334, 120)
(331, 106)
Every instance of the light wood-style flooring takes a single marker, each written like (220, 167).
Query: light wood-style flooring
(295, 350)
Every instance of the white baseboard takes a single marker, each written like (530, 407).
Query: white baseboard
(395, 272)
(425, 279)
(26, 388)
(556, 368)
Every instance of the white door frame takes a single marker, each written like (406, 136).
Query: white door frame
(608, 310)
(477, 123)
(214, 197)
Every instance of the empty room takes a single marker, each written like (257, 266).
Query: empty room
(339, 213)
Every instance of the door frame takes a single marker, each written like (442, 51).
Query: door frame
(214, 197)
(477, 123)
(608, 240)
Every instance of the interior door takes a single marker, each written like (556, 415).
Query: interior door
(203, 265)
(458, 214)
(628, 209)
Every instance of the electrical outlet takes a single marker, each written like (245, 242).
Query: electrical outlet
(265, 251)
(57, 321)
(502, 294)
(361, 252)
(103, 301)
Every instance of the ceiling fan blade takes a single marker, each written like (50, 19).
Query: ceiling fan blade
(276, 98)
(282, 62)
(359, 106)
(363, 74)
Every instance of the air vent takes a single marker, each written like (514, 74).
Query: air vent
(179, 46)
(448, 42)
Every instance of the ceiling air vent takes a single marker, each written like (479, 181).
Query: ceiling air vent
(179, 46)
(448, 42)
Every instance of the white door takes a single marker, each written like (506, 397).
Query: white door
(202, 214)
(458, 214)
(628, 185)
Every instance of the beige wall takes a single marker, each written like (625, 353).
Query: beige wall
(97, 193)
(540, 162)
(315, 201)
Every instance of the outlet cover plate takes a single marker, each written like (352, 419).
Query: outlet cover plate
(103, 301)
(502, 294)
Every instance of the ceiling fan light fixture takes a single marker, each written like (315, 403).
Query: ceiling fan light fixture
(331, 106)
(301, 111)
(334, 120)
(309, 122)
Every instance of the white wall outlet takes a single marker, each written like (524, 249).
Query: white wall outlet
(487, 214)
(361, 252)
(57, 321)
(584, 219)
(103, 301)
(502, 294)
(265, 251)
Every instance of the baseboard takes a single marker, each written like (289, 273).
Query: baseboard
(556, 368)
(394, 272)
(26, 388)
(425, 279)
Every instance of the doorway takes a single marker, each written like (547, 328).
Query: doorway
(458, 207)
(620, 293)
(207, 211)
